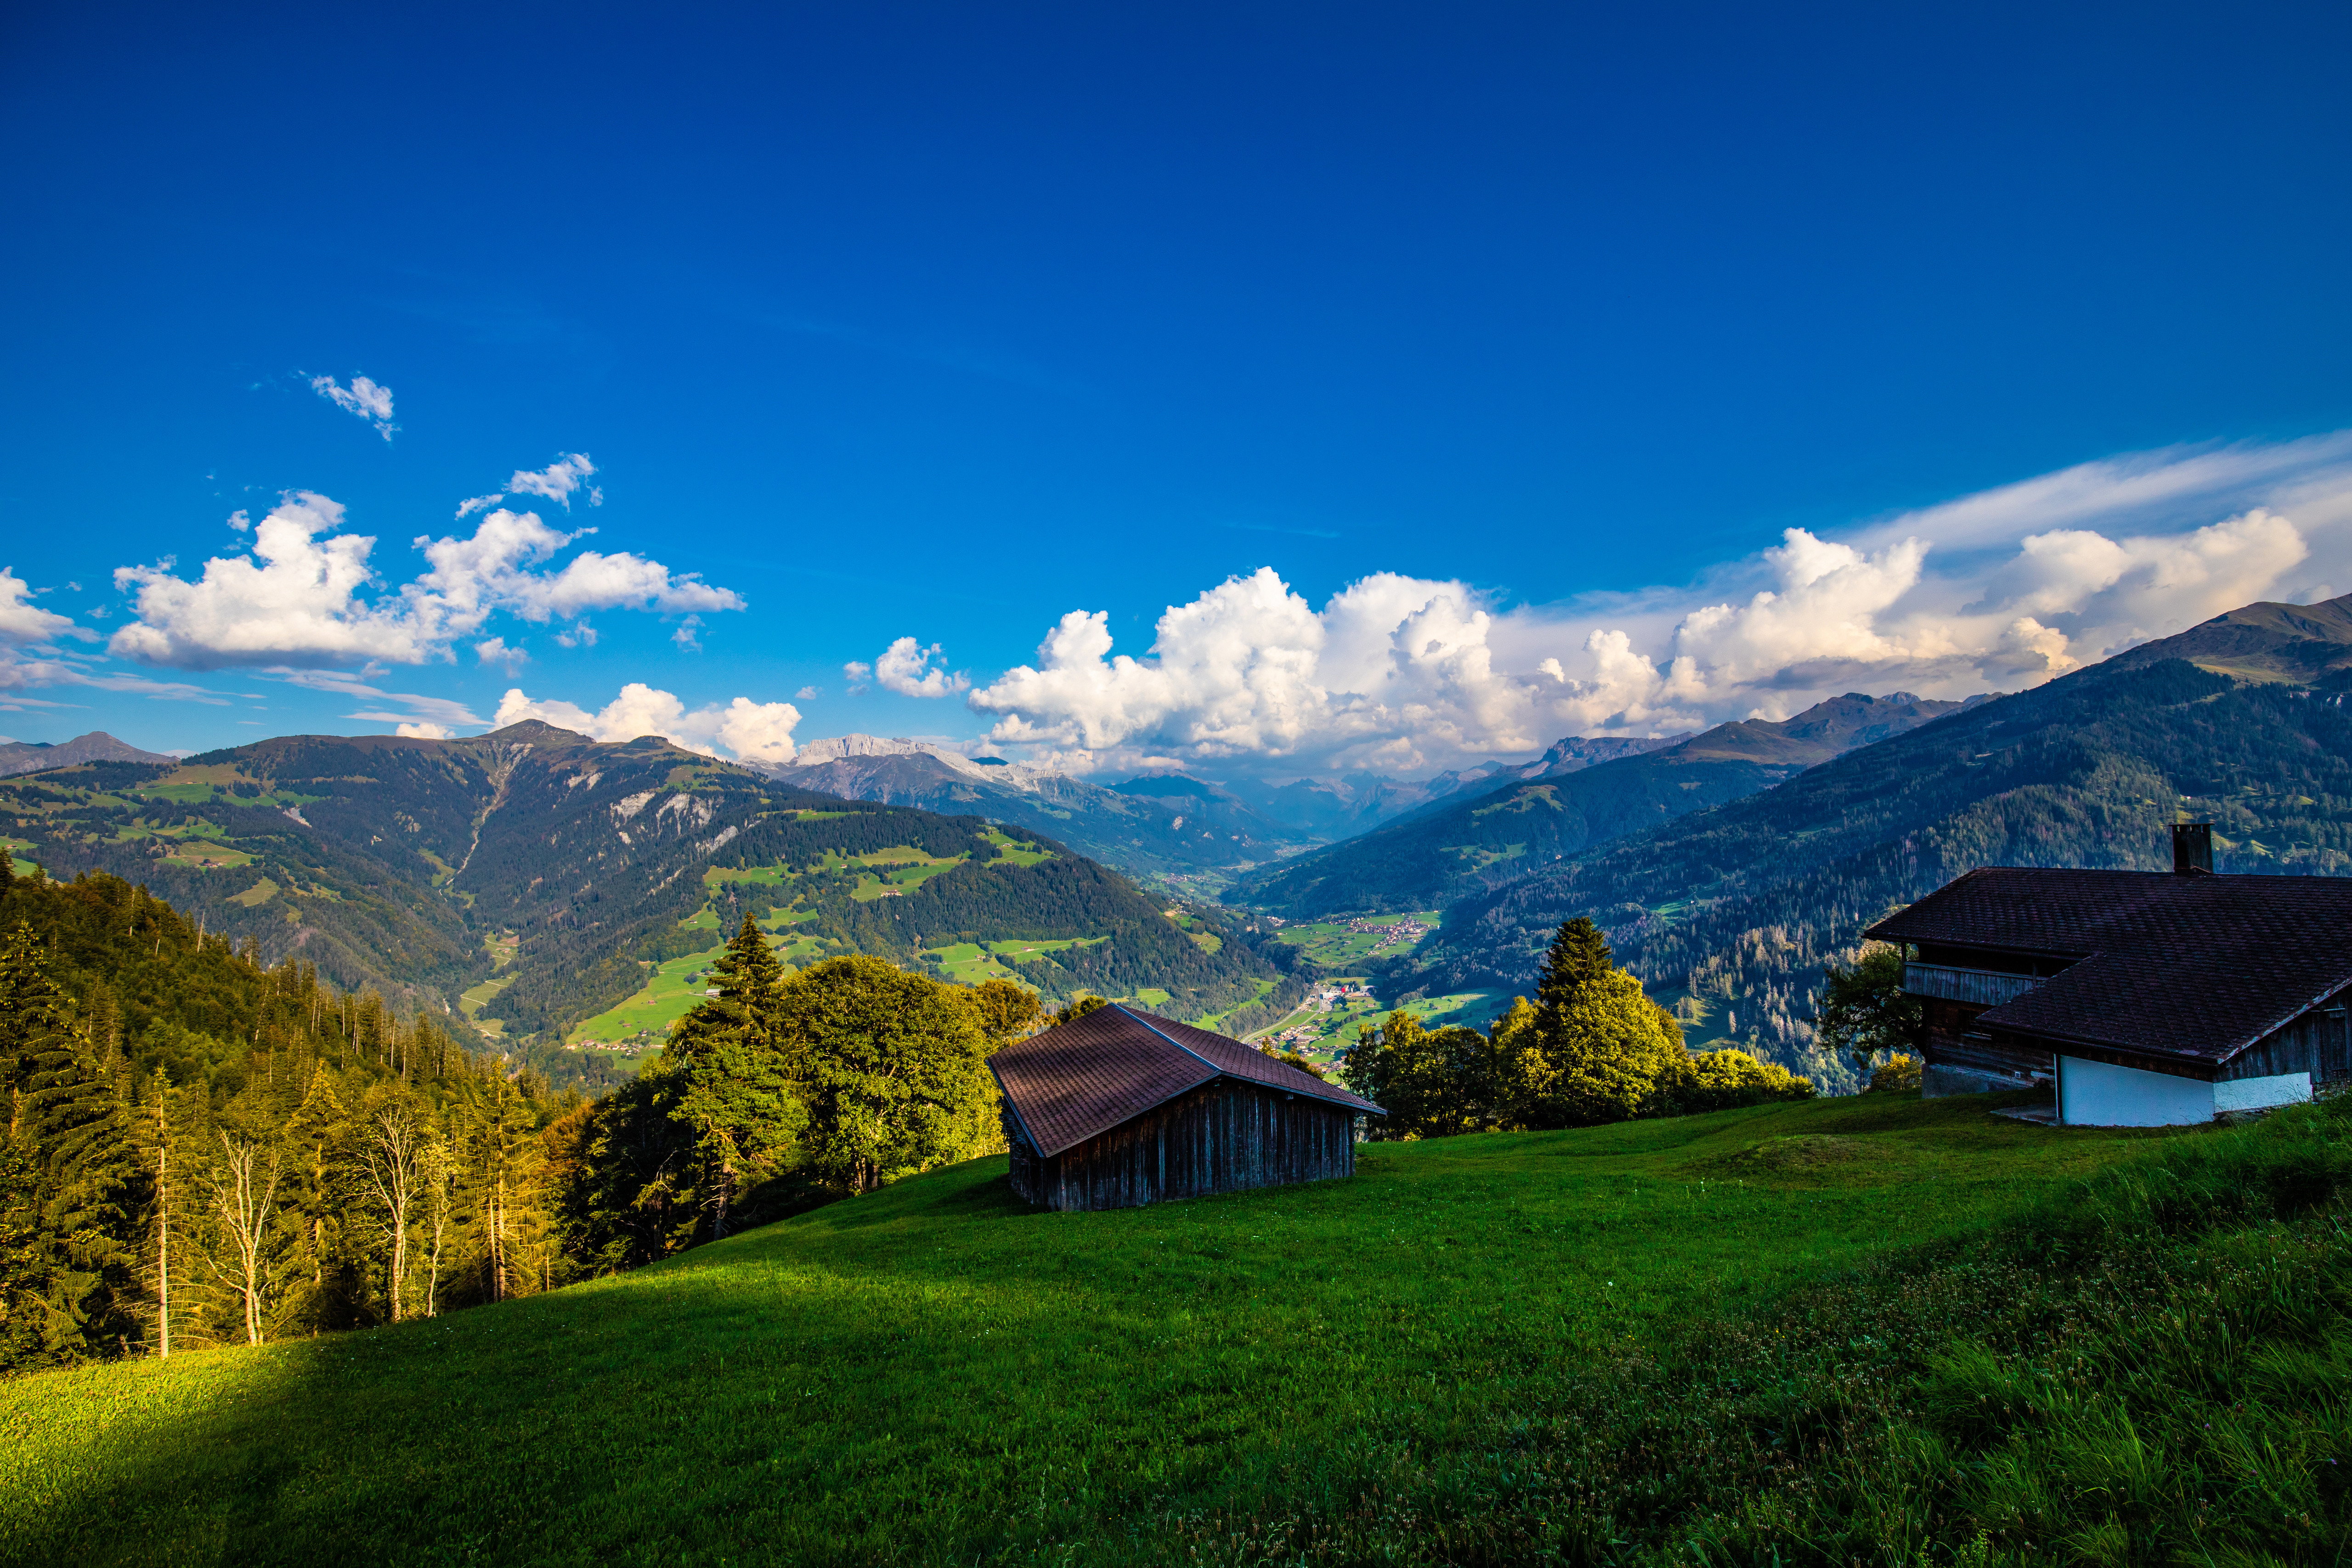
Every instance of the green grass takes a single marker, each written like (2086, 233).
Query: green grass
(668, 992)
(471, 1001)
(1331, 944)
(1409, 1366)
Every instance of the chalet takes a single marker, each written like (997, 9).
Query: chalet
(1123, 1107)
(2145, 999)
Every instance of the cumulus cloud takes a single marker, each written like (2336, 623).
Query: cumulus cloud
(304, 595)
(905, 668)
(557, 482)
(24, 622)
(363, 397)
(494, 650)
(759, 731)
(689, 635)
(1405, 674)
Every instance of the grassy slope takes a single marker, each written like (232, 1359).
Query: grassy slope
(934, 1371)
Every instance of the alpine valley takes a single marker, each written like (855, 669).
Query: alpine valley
(531, 880)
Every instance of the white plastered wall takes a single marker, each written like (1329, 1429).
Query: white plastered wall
(2099, 1094)
(2260, 1093)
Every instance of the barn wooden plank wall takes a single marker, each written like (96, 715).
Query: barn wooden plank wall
(1222, 1137)
(2318, 1043)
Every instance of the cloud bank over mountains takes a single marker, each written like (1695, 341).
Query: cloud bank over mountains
(1997, 591)
(1393, 673)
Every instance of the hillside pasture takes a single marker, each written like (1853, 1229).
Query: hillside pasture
(1388, 1368)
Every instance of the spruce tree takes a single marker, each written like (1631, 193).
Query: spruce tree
(731, 1086)
(1605, 1048)
(68, 1119)
(1580, 955)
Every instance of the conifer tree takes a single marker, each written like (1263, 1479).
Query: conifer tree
(75, 1130)
(734, 1084)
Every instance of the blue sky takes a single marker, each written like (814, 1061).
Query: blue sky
(1458, 373)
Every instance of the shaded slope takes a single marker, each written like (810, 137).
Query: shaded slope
(1741, 904)
(1462, 848)
(2261, 641)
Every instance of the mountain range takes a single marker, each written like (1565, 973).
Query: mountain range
(1166, 824)
(560, 870)
(98, 746)
(1473, 841)
(1729, 913)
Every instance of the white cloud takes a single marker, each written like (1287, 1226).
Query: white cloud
(557, 482)
(22, 621)
(302, 597)
(756, 731)
(806, 693)
(688, 636)
(1405, 674)
(363, 397)
(905, 668)
(494, 650)
(422, 731)
(581, 635)
(471, 504)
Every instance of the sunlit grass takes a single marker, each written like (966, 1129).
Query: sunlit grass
(934, 1372)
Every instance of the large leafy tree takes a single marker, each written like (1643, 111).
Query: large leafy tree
(1864, 1011)
(894, 1070)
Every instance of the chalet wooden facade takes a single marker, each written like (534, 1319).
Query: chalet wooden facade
(2142, 998)
(1122, 1107)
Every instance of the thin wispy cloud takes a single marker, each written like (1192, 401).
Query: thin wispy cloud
(363, 397)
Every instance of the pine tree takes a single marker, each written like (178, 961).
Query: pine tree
(68, 1118)
(734, 1086)
(1605, 1048)
(1580, 955)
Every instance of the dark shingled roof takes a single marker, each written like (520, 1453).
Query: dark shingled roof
(2182, 968)
(1086, 1077)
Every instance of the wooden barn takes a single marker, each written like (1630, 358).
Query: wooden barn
(2145, 999)
(1123, 1107)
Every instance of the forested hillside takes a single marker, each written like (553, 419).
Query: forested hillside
(564, 866)
(1459, 848)
(201, 1149)
(1739, 906)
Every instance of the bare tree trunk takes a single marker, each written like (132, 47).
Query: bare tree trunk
(162, 1238)
(437, 1166)
(244, 1194)
(499, 1238)
(392, 1170)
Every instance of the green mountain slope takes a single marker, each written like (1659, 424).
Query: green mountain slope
(546, 873)
(1732, 911)
(1458, 848)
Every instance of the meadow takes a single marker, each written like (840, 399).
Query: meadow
(1716, 1339)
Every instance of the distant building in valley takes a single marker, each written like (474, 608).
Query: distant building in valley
(2145, 999)
(1122, 1107)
